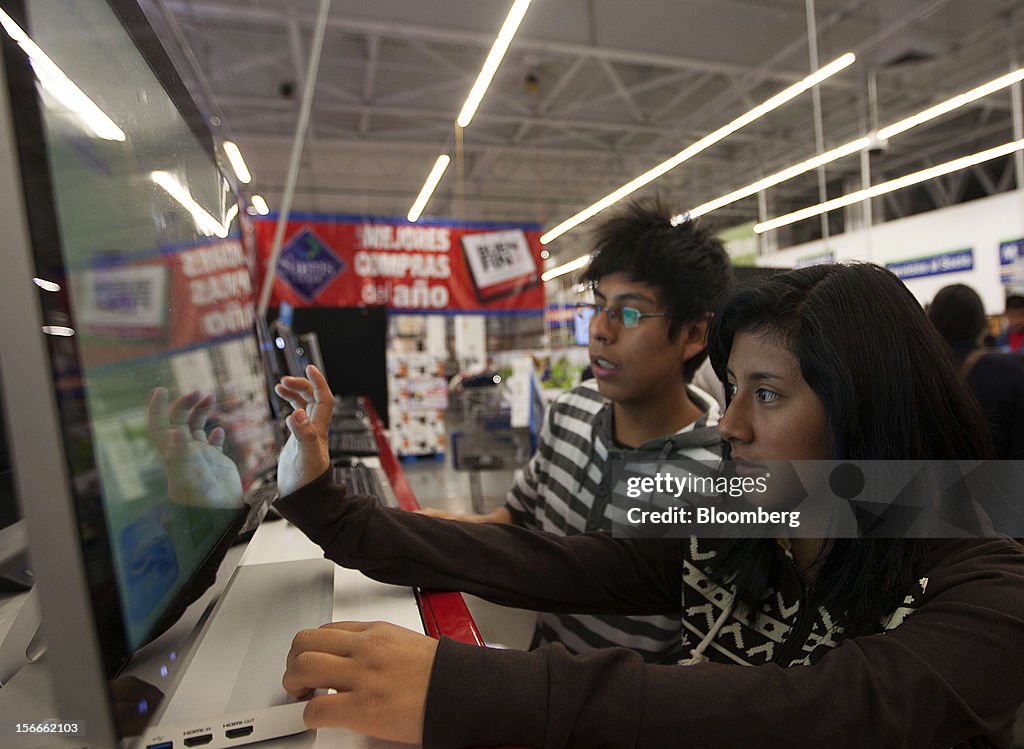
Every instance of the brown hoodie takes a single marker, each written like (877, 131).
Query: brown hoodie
(946, 668)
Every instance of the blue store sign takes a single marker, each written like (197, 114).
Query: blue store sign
(934, 265)
(1008, 254)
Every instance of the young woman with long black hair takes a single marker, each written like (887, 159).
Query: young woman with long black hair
(794, 642)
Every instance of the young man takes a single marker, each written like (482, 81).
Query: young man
(654, 285)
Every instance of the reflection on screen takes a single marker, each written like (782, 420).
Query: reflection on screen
(581, 325)
(160, 292)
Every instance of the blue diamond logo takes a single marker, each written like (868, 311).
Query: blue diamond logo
(308, 264)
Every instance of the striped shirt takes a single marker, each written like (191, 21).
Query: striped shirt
(564, 489)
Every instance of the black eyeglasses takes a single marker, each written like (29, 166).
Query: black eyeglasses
(630, 317)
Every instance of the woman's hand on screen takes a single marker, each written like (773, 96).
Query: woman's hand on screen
(379, 671)
(305, 454)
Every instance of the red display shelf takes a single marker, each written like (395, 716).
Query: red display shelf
(444, 613)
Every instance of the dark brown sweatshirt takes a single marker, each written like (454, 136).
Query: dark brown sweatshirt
(946, 668)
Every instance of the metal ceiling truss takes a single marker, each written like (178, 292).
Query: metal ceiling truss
(565, 121)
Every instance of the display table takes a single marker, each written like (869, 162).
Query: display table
(356, 598)
(359, 598)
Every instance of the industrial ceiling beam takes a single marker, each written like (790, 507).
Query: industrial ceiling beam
(234, 15)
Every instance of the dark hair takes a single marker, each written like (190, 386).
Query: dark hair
(1015, 301)
(890, 392)
(957, 313)
(685, 262)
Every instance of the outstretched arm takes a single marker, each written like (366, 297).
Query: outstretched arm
(588, 573)
(500, 515)
(503, 563)
(948, 674)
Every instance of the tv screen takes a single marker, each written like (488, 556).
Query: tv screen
(143, 310)
(293, 356)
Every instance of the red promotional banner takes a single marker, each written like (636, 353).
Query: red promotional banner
(172, 300)
(352, 261)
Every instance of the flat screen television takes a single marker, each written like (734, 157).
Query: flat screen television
(127, 285)
(293, 354)
(273, 368)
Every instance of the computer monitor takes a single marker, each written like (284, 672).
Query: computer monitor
(295, 352)
(293, 355)
(124, 272)
(311, 353)
(273, 368)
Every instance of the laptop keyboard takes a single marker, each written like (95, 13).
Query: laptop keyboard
(348, 423)
(348, 404)
(361, 480)
(352, 443)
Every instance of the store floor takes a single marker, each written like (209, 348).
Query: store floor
(436, 484)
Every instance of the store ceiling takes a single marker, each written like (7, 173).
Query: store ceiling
(593, 93)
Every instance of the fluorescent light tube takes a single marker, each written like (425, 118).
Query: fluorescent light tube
(260, 205)
(205, 223)
(874, 191)
(804, 166)
(60, 87)
(569, 267)
(237, 162)
(708, 140)
(45, 285)
(498, 49)
(950, 104)
(856, 145)
(428, 187)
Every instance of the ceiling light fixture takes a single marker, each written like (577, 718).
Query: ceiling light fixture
(569, 267)
(770, 181)
(856, 145)
(708, 140)
(45, 285)
(260, 205)
(950, 104)
(476, 95)
(237, 162)
(964, 162)
(498, 49)
(205, 223)
(428, 187)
